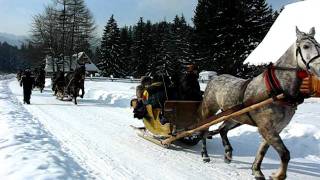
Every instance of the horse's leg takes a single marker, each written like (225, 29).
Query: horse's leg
(284, 154)
(256, 166)
(273, 138)
(224, 129)
(204, 153)
(75, 94)
(75, 100)
(82, 91)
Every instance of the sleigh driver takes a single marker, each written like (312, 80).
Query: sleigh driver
(152, 93)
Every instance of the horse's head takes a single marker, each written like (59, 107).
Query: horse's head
(80, 72)
(308, 52)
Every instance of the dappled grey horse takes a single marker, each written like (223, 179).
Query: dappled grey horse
(226, 91)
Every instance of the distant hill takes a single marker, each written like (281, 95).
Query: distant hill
(12, 39)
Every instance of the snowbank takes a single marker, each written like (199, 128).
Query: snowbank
(7, 76)
(110, 93)
(282, 35)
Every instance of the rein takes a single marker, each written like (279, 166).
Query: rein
(298, 51)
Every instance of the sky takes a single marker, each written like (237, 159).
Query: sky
(16, 15)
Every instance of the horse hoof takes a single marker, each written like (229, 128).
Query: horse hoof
(258, 175)
(228, 157)
(206, 159)
(259, 178)
(275, 177)
(226, 160)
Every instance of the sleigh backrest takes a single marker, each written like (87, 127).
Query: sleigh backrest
(182, 114)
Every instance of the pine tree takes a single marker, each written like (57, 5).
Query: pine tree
(162, 61)
(138, 50)
(149, 33)
(208, 32)
(227, 31)
(125, 50)
(262, 18)
(182, 41)
(110, 61)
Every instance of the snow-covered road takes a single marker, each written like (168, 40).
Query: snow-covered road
(27, 150)
(95, 136)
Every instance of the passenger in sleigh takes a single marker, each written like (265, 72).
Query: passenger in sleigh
(139, 108)
(146, 81)
(154, 97)
(151, 95)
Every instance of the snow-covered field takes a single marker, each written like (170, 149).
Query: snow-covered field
(52, 139)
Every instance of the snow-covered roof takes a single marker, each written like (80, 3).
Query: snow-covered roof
(91, 68)
(303, 14)
(76, 59)
(203, 73)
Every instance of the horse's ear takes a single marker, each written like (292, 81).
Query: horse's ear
(298, 33)
(312, 32)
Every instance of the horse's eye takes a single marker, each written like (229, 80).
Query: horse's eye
(306, 47)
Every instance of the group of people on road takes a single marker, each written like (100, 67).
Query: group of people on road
(28, 80)
(153, 92)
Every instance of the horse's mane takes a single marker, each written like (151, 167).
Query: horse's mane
(287, 57)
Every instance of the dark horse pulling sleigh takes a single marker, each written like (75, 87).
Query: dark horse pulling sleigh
(40, 79)
(267, 101)
(68, 87)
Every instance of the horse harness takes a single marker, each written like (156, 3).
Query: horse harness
(272, 83)
(241, 98)
(298, 51)
(274, 87)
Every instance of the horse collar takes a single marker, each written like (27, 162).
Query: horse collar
(272, 82)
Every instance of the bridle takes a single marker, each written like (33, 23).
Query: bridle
(298, 52)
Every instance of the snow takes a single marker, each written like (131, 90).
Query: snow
(52, 139)
(303, 14)
(207, 75)
(27, 150)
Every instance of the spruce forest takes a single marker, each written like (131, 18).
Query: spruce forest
(222, 34)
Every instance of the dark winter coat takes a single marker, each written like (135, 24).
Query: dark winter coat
(156, 94)
(189, 88)
(27, 82)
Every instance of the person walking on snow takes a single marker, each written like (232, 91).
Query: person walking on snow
(27, 82)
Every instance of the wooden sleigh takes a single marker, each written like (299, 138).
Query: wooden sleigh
(181, 116)
(184, 124)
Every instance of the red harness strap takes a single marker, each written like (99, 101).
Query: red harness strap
(274, 87)
(271, 81)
